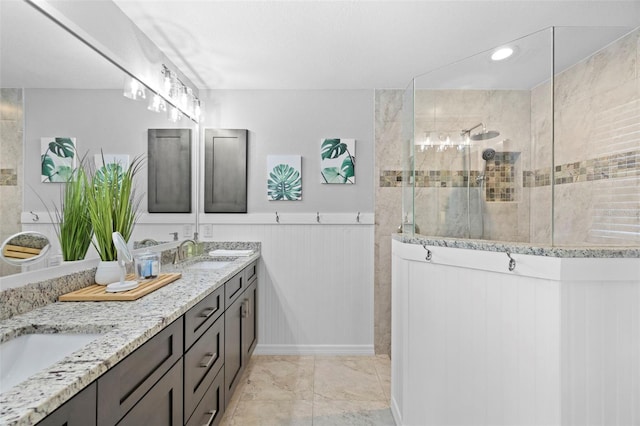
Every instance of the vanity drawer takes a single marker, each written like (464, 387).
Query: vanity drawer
(201, 316)
(201, 365)
(251, 272)
(211, 408)
(120, 388)
(234, 288)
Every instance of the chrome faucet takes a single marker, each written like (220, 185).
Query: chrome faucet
(179, 252)
(148, 240)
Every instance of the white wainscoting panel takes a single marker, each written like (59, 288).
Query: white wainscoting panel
(316, 286)
(476, 344)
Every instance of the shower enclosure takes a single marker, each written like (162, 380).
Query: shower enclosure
(540, 147)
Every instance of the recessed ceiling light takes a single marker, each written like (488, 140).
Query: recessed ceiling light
(502, 53)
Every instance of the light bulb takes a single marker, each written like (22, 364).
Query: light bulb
(502, 53)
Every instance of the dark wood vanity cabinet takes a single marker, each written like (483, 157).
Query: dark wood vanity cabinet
(184, 375)
(162, 405)
(127, 382)
(240, 330)
(78, 411)
(202, 363)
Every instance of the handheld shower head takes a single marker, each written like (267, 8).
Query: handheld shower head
(488, 154)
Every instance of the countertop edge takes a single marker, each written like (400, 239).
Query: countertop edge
(521, 248)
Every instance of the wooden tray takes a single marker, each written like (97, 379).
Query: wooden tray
(98, 293)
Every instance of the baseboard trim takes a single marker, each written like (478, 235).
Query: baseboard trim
(395, 412)
(314, 350)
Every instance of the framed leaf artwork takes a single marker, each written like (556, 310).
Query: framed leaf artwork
(57, 158)
(284, 177)
(338, 161)
(110, 166)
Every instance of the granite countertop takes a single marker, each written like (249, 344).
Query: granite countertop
(521, 248)
(126, 326)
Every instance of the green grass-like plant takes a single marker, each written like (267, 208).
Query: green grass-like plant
(113, 205)
(73, 229)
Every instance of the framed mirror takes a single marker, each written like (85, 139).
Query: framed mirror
(54, 87)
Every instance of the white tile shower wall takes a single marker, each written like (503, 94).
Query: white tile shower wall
(443, 211)
(597, 116)
(388, 207)
(11, 130)
(316, 289)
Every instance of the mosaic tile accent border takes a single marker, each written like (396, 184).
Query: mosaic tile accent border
(8, 177)
(501, 174)
(624, 164)
(430, 178)
(500, 178)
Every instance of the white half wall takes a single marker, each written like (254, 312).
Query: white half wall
(315, 292)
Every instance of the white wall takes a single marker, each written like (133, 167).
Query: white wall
(295, 122)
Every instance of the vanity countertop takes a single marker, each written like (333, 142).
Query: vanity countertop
(126, 326)
(522, 248)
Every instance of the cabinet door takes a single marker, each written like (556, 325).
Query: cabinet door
(199, 318)
(120, 388)
(249, 321)
(232, 347)
(169, 171)
(225, 171)
(162, 405)
(234, 288)
(201, 365)
(211, 408)
(78, 411)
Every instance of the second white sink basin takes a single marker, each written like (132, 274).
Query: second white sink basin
(210, 264)
(29, 354)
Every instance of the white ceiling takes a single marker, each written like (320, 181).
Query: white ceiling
(35, 52)
(346, 44)
(315, 44)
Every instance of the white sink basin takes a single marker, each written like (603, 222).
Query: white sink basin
(209, 265)
(29, 354)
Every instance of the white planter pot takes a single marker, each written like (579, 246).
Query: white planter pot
(107, 272)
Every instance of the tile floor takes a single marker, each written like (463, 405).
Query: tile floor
(312, 391)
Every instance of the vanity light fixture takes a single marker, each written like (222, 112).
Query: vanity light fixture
(174, 98)
(174, 114)
(157, 104)
(501, 53)
(441, 141)
(133, 89)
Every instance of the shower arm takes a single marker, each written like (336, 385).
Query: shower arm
(468, 131)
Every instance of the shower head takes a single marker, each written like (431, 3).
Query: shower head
(485, 134)
(488, 154)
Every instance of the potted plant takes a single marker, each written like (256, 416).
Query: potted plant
(113, 206)
(73, 228)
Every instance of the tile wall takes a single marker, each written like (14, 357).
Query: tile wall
(11, 130)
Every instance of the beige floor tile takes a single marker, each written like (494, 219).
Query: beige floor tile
(273, 413)
(383, 368)
(280, 378)
(347, 378)
(351, 413)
